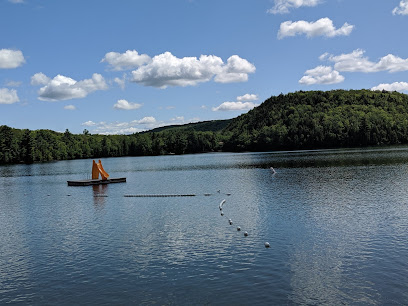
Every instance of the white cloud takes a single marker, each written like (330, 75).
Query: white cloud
(178, 118)
(89, 123)
(402, 9)
(65, 88)
(8, 96)
(356, 62)
(70, 107)
(321, 27)
(396, 86)
(236, 70)
(123, 104)
(167, 70)
(321, 75)
(115, 128)
(234, 106)
(128, 60)
(121, 82)
(13, 83)
(247, 97)
(243, 103)
(11, 58)
(40, 79)
(146, 120)
(283, 6)
(135, 126)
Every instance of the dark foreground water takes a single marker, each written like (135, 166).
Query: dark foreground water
(336, 221)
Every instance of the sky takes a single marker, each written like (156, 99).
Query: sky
(121, 67)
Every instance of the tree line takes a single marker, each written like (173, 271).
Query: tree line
(25, 146)
(300, 120)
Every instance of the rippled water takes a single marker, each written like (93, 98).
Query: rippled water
(336, 220)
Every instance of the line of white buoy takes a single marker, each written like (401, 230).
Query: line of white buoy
(267, 245)
(229, 220)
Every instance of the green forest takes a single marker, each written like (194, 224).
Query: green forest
(300, 120)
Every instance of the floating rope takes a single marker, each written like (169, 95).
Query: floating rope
(157, 195)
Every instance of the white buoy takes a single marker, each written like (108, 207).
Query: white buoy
(238, 228)
(222, 203)
(267, 245)
(245, 234)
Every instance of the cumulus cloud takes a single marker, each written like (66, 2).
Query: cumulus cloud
(321, 75)
(236, 70)
(121, 82)
(283, 6)
(11, 58)
(402, 9)
(65, 88)
(396, 86)
(125, 105)
(145, 120)
(321, 27)
(128, 60)
(234, 106)
(357, 62)
(243, 103)
(8, 96)
(165, 69)
(70, 107)
(247, 97)
(40, 79)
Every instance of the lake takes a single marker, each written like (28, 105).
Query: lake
(336, 222)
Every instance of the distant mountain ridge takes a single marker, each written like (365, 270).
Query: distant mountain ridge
(202, 126)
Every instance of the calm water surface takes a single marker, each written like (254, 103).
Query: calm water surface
(336, 221)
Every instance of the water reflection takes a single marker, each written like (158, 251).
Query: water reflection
(100, 192)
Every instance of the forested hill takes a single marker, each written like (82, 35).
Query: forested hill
(316, 119)
(204, 126)
(300, 120)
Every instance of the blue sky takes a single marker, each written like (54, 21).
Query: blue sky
(119, 67)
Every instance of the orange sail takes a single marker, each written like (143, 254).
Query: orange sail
(102, 171)
(98, 169)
